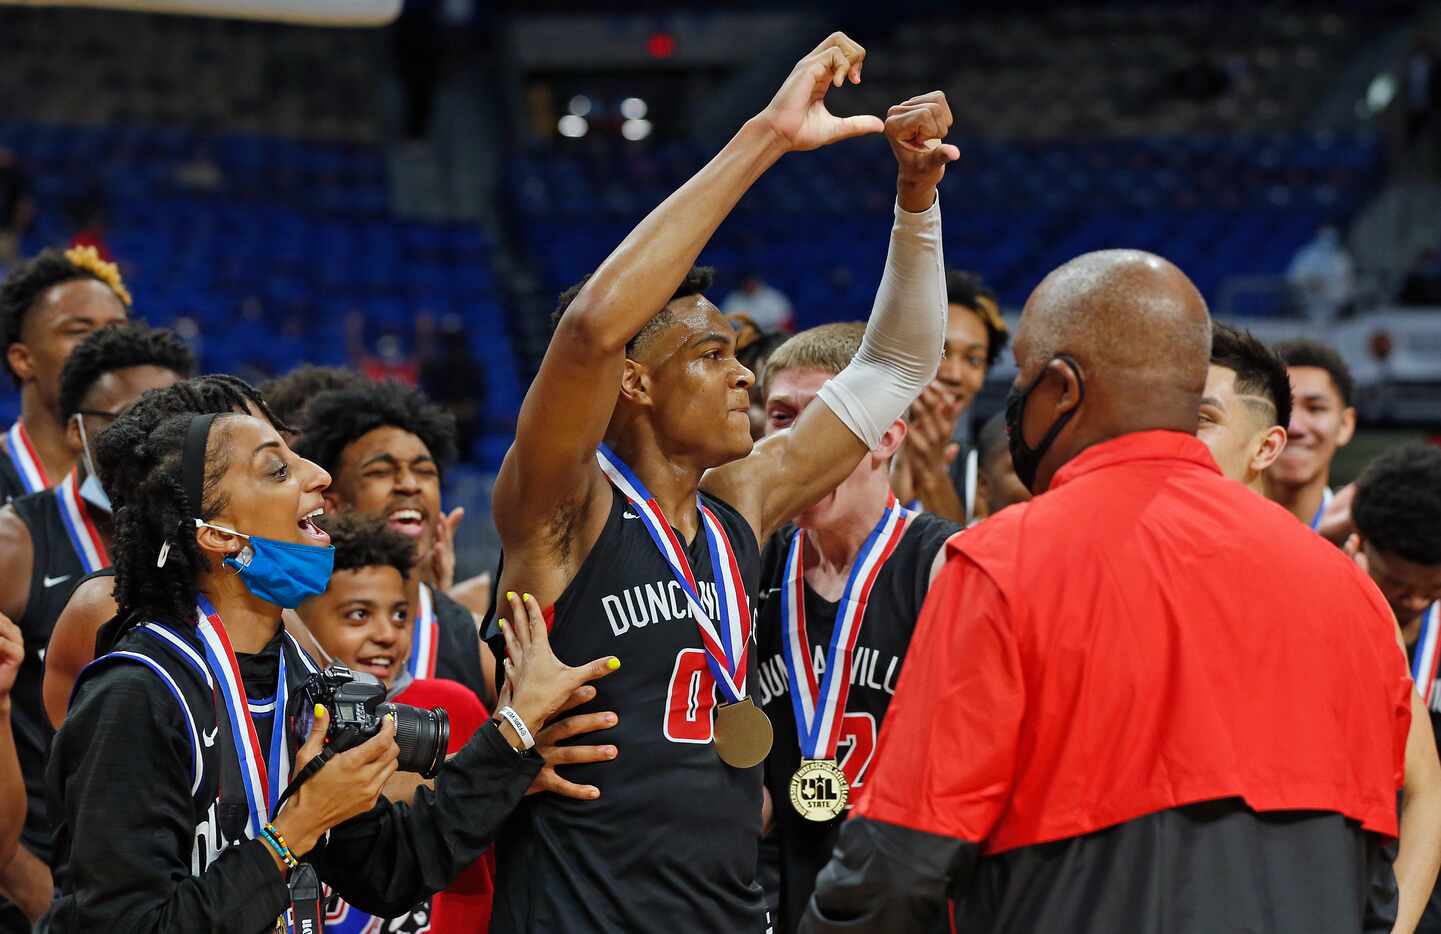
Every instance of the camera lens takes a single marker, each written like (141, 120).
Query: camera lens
(422, 736)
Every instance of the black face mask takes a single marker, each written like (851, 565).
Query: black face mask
(1027, 459)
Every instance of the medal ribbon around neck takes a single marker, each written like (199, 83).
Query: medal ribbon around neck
(820, 709)
(1427, 653)
(262, 785)
(27, 463)
(1326, 495)
(725, 646)
(421, 663)
(76, 517)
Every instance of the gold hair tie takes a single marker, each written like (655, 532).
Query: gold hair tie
(88, 259)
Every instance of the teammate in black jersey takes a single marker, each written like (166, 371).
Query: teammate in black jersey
(92, 603)
(47, 306)
(643, 363)
(836, 529)
(384, 445)
(48, 541)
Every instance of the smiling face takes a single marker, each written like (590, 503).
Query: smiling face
(266, 489)
(1320, 423)
(963, 368)
(1236, 427)
(696, 389)
(363, 620)
(61, 318)
(390, 474)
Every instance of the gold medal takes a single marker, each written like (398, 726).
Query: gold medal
(819, 790)
(742, 734)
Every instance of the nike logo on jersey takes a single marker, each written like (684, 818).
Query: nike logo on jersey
(52, 581)
(629, 515)
(209, 737)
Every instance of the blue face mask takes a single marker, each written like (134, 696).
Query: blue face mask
(283, 573)
(91, 491)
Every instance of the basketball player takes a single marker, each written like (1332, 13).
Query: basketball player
(856, 561)
(1323, 420)
(1247, 400)
(47, 306)
(1397, 514)
(384, 445)
(639, 414)
(1246, 406)
(51, 539)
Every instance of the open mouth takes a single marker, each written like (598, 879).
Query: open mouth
(407, 522)
(308, 526)
(382, 666)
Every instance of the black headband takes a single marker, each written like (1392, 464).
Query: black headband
(192, 460)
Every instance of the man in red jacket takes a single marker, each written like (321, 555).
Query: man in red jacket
(1146, 701)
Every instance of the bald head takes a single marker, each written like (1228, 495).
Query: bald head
(1140, 336)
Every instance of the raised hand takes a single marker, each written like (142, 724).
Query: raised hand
(12, 653)
(540, 683)
(915, 128)
(798, 114)
(442, 553)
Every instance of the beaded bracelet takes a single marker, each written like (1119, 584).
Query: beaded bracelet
(277, 844)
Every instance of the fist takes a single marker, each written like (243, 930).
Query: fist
(12, 653)
(915, 129)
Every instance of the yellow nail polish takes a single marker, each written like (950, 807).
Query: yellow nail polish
(613, 664)
(320, 710)
(527, 596)
(500, 623)
(510, 595)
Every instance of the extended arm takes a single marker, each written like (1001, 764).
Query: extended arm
(550, 469)
(898, 356)
(12, 786)
(1420, 851)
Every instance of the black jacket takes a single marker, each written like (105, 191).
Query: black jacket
(131, 828)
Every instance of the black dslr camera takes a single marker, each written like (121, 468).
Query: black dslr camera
(356, 703)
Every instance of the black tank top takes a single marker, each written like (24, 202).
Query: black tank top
(895, 604)
(11, 486)
(57, 569)
(672, 840)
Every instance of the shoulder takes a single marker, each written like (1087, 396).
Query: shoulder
(15, 520)
(928, 533)
(93, 597)
(118, 687)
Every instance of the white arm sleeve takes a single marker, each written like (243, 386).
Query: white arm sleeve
(901, 350)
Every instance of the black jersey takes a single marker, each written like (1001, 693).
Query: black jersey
(11, 487)
(56, 570)
(672, 840)
(457, 655)
(895, 604)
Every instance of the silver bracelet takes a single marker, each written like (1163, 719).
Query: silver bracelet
(523, 731)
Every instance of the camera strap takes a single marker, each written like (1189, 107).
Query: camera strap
(307, 913)
(311, 767)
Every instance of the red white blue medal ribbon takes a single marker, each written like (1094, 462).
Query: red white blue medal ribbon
(425, 645)
(263, 784)
(1321, 509)
(27, 463)
(725, 644)
(76, 518)
(1427, 652)
(820, 708)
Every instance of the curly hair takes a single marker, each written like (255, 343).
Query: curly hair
(363, 541)
(289, 395)
(138, 458)
(1398, 503)
(119, 347)
(28, 281)
(1259, 370)
(696, 281)
(339, 417)
(1303, 352)
(968, 290)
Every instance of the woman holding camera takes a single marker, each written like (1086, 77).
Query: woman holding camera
(169, 775)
